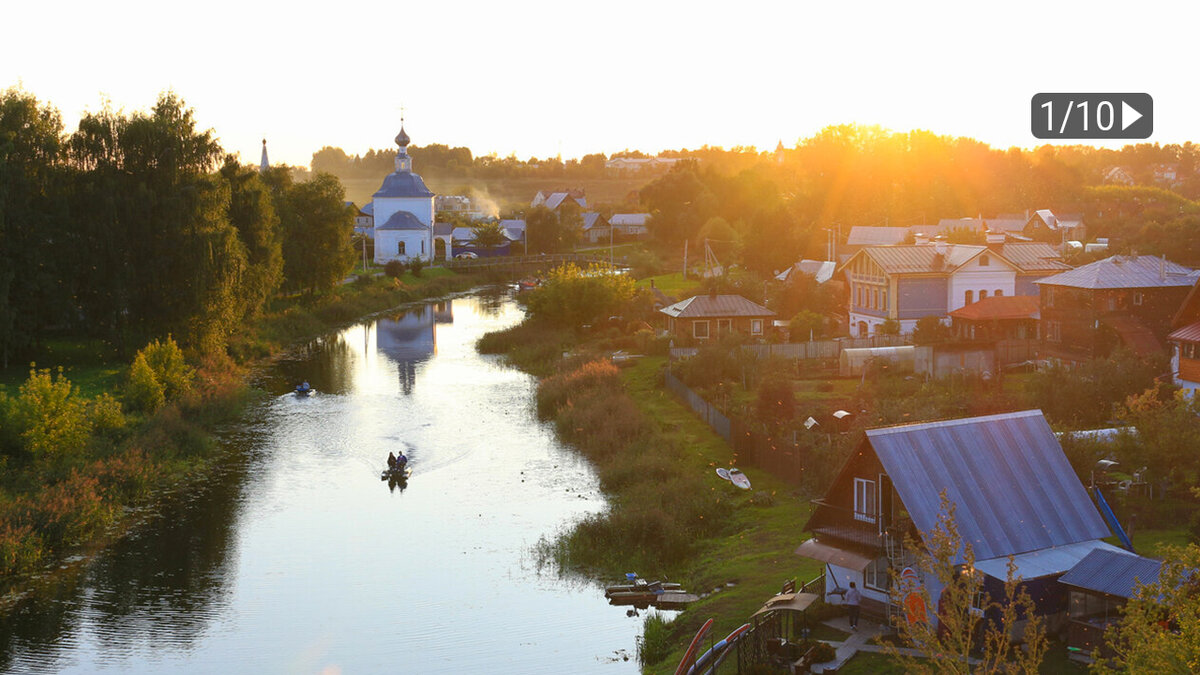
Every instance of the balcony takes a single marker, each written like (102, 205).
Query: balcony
(862, 529)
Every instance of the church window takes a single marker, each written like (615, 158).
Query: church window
(422, 247)
(969, 297)
(400, 248)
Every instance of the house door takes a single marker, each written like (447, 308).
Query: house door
(724, 327)
(885, 502)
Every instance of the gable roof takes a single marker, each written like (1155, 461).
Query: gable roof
(920, 258)
(1000, 308)
(1144, 271)
(1113, 572)
(821, 270)
(704, 306)
(629, 218)
(402, 220)
(1004, 223)
(1013, 488)
(555, 199)
(1033, 256)
(592, 219)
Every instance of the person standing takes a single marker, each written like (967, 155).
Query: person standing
(853, 600)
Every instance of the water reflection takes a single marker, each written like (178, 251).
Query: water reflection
(292, 558)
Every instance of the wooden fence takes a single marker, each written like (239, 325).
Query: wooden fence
(780, 457)
(533, 262)
(816, 349)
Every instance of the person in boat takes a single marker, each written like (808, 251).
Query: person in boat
(401, 460)
(305, 387)
(391, 460)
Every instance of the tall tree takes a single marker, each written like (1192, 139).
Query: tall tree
(32, 290)
(317, 227)
(251, 210)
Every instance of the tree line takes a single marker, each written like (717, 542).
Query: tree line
(139, 225)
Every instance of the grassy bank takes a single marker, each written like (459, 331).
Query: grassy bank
(670, 515)
(78, 448)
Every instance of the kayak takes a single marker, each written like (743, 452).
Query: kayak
(739, 479)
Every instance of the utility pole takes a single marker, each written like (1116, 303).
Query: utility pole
(685, 245)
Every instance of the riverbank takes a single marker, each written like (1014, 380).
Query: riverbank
(78, 472)
(670, 515)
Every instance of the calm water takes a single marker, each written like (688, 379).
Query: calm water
(298, 559)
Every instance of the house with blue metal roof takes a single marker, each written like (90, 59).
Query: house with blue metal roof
(1099, 586)
(1014, 492)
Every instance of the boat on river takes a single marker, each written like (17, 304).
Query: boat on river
(642, 593)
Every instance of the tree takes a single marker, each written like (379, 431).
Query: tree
(889, 327)
(317, 227)
(806, 325)
(488, 235)
(548, 231)
(776, 403)
(679, 204)
(1159, 631)
(969, 625)
(251, 211)
(34, 286)
(572, 297)
(930, 330)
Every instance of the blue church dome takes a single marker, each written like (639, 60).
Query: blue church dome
(403, 184)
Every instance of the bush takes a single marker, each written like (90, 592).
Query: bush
(656, 641)
(50, 416)
(170, 368)
(143, 392)
(415, 265)
(394, 268)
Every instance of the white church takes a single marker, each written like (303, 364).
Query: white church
(404, 214)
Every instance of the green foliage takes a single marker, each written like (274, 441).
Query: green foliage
(415, 265)
(1168, 433)
(394, 268)
(806, 325)
(776, 403)
(945, 559)
(572, 297)
(143, 392)
(1159, 631)
(50, 417)
(170, 368)
(317, 227)
(657, 640)
(489, 235)
(930, 330)
(889, 327)
(1085, 396)
(556, 231)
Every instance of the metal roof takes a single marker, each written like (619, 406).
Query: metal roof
(921, 258)
(369, 209)
(1044, 562)
(821, 270)
(590, 220)
(443, 229)
(1189, 333)
(1013, 488)
(402, 220)
(1144, 271)
(629, 218)
(873, 235)
(997, 224)
(703, 306)
(1114, 572)
(557, 198)
(1033, 256)
(403, 184)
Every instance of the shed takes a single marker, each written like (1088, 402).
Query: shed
(853, 361)
(1099, 586)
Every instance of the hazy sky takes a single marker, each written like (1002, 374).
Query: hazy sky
(541, 78)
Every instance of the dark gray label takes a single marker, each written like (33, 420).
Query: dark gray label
(1126, 115)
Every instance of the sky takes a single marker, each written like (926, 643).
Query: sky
(539, 79)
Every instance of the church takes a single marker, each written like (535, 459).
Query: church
(404, 214)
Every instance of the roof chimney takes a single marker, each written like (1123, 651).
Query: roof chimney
(995, 240)
(939, 245)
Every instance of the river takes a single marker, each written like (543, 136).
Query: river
(296, 558)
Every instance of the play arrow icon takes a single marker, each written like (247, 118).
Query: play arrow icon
(1128, 115)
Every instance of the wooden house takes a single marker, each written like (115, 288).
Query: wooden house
(1001, 317)
(1119, 301)
(1014, 492)
(704, 317)
(1185, 343)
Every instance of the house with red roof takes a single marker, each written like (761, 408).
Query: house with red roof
(1001, 317)
(1185, 343)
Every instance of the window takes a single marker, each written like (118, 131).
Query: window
(400, 248)
(999, 293)
(1048, 293)
(756, 326)
(969, 296)
(700, 329)
(874, 298)
(422, 247)
(982, 294)
(983, 261)
(1053, 331)
(864, 500)
(876, 574)
(1137, 298)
